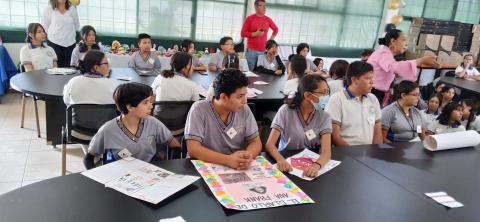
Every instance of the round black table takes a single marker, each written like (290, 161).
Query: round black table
(350, 192)
(50, 87)
(472, 86)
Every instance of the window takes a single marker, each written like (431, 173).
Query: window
(468, 11)
(439, 9)
(165, 18)
(109, 16)
(219, 18)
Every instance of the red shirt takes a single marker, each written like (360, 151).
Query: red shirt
(252, 24)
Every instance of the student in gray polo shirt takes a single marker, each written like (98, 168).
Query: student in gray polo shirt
(270, 62)
(134, 130)
(223, 130)
(303, 49)
(216, 60)
(302, 123)
(449, 120)
(355, 112)
(401, 120)
(144, 58)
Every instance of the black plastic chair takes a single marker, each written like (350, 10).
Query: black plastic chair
(450, 74)
(82, 122)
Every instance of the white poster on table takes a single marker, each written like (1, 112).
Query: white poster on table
(452, 140)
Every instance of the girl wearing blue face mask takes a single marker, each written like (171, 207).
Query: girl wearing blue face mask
(301, 123)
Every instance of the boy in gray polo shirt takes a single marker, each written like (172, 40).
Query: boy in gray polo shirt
(223, 130)
(216, 60)
(134, 130)
(144, 58)
(356, 114)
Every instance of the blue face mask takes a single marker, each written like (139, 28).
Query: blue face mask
(322, 103)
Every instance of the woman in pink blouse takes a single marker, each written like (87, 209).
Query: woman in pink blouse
(385, 67)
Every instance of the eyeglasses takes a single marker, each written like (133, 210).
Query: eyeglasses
(321, 93)
(413, 94)
(105, 63)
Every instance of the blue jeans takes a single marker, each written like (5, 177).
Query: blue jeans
(252, 57)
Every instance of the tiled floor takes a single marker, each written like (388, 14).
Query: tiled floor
(25, 158)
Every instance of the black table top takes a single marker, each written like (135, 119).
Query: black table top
(470, 85)
(350, 192)
(419, 171)
(40, 83)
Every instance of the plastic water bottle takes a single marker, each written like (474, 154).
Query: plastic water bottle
(108, 156)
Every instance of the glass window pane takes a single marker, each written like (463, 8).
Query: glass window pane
(357, 31)
(166, 18)
(216, 19)
(414, 8)
(468, 11)
(439, 9)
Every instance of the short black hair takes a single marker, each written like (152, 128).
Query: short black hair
(357, 69)
(92, 58)
(143, 36)
(186, 44)
(404, 86)
(270, 44)
(228, 82)
(224, 40)
(258, 1)
(447, 112)
(301, 46)
(447, 88)
(130, 94)
(298, 64)
(339, 68)
(317, 61)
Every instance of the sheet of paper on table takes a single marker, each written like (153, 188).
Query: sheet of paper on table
(304, 160)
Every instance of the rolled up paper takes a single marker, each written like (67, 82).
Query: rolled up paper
(452, 140)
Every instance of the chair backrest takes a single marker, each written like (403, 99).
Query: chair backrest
(88, 118)
(450, 74)
(172, 113)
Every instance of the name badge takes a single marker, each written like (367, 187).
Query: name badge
(151, 61)
(419, 129)
(231, 133)
(310, 134)
(272, 65)
(125, 154)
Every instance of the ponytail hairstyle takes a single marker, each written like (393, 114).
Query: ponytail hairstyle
(92, 58)
(179, 61)
(32, 29)
(391, 34)
(307, 83)
(83, 35)
(404, 87)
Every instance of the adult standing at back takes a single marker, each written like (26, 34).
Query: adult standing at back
(255, 28)
(385, 67)
(61, 21)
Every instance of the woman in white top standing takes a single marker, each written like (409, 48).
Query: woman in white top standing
(61, 21)
(466, 70)
(36, 54)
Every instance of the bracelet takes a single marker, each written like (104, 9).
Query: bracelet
(318, 164)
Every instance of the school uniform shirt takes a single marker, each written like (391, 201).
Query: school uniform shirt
(176, 88)
(355, 117)
(470, 72)
(474, 125)
(436, 128)
(428, 118)
(196, 61)
(269, 67)
(61, 28)
(77, 56)
(311, 65)
(152, 138)
(295, 133)
(41, 57)
(400, 127)
(205, 126)
(137, 61)
(335, 86)
(89, 89)
(217, 59)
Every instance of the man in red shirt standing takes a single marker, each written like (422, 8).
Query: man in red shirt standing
(255, 28)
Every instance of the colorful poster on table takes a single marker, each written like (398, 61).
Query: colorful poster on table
(261, 186)
(303, 160)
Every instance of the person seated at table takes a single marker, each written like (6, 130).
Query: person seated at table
(355, 111)
(320, 65)
(88, 37)
(135, 130)
(448, 121)
(144, 58)
(366, 53)
(469, 119)
(466, 70)
(337, 71)
(296, 68)
(303, 49)
(270, 62)
(401, 120)
(189, 47)
(433, 108)
(302, 123)
(448, 93)
(216, 60)
(223, 130)
(438, 87)
(94, 86)
(174, 84)
(36, 54)
(231, 61)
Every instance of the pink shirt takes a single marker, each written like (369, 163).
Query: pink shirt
(252, 24)
(385, 67)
